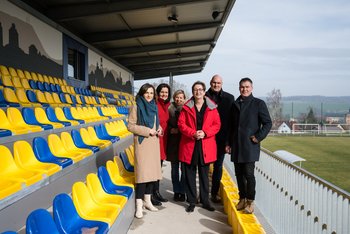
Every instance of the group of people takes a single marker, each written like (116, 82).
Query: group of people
(192, 134)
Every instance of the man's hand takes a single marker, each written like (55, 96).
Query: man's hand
(253, 139)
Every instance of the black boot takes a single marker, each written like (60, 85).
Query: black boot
(155, 202)
(157, 196)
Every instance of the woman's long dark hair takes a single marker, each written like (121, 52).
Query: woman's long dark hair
(144, 89)
(164, 85)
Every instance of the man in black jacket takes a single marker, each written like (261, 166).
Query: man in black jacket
(250, 124)
(224, 101)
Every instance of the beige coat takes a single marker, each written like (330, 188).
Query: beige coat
(147, 154)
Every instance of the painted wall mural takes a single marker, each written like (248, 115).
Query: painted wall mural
(28, 43)
(103, 73)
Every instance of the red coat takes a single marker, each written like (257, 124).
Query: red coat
(187, 127)
(163, 122)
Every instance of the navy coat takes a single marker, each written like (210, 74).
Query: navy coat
(250, 118)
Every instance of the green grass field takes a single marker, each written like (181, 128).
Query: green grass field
(326, 157)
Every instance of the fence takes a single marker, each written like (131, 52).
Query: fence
(296, 201)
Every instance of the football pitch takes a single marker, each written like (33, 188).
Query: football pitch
(326, 157)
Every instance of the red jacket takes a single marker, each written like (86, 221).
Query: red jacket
(163, 122)
(187, 127)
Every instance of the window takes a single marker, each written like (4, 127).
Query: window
(76, 62)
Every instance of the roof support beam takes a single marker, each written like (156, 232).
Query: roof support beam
(134, 50)
(153, 66)
(75, 11)
(121, 35)
(145, 59)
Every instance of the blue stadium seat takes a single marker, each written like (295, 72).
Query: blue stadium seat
(9, 232)
(63, 98)
(103, 136)
(74, 100)
(126, 162)
(58, 88)
(33, 84)
(51, 115)
(29, 118)
(40, 221)
(105, 132)
(5, 132)
(68, 219)
(82, 100)
(111, 188)
(78, 141)
(43, 154)
(3, 102)
(69, 116)
(47, 87)
(40, 86)
(53, 88)
(99, 110)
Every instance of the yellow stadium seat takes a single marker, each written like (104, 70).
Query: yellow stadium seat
(87, 100)
(123, 172)
(79, 102)
(25, 84)
(46, 79)
(34, 76)
(84, 111)
(28, 75)
(40, 77)
(17, 82)
(130, 156)
(94, 138)
(64, 89)
(68, 99)
(22, 98)
(55, 80)
(51, 80)
(12, 71)
(115, 176)
(20, 74)
(50, 99)
(16, 119)
(4, 71)
(41, 97)
(61, 117)
(64, 82)
(88, 209)
(10, 171)
(60, 82)
(96, 115)
(10, 96)
(100, 196)
(5, 124)
(57, 148)
(69, 145)
(7, 81)
(41, 116)
(25, 158)
(89, 141)
(8, 187)
(57, 100)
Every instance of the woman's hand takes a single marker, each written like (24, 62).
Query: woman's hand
(152, 132)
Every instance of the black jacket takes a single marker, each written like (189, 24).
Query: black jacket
(224, 101)
(250, 118)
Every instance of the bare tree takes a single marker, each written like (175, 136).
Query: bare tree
(274, 104)
(176, 86)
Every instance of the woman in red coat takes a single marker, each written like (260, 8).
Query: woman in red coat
(199, 122)
(163, 103)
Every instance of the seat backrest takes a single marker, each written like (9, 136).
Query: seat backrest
(51, 115)
(23, 154)
(29, 116)
(126, 162)
(15, 117)
(56, 98)
(94, 185)
(27, 75)
(41, 97)
(53, 88)
(47, 87)
(7, 81)
(63, 98)
(40, 221)
(56, 145)
(10, 95)
(17, 82)
(40, 115)
(64, 212)
(3, 102)
(22, 97)
(81, 198)
(32, 84)
(7, 162)
(40, 77)
(46, 79)
(40, 86)
(113, 170)
(4, 70)
(68, 99)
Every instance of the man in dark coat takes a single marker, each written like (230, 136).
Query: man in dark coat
(250, 124)
(224, 101)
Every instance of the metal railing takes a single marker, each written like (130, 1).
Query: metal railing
(295, 201)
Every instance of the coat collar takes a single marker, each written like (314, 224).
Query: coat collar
(210, 104)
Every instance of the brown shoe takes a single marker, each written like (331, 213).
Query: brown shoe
(249, 209)
(241, 204)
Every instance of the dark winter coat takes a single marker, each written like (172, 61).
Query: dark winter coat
(251, 118)
(173, 142)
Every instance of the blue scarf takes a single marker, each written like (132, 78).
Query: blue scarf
(146, 111)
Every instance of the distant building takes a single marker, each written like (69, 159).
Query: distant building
(284, 129)
(333, 120)
(347, 117)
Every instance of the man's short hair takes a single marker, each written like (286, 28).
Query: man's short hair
(244, 80)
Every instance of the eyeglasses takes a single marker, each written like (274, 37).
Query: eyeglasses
(198, 90)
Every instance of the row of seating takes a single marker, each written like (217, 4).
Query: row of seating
(241, 223)
(27, 120)
(94, 206)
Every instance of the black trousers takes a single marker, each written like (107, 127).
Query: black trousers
(143, 188)
(156, 184)
(245, 180)
(190, 173)
(217, 174)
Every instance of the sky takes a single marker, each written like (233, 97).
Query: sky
(301, 47)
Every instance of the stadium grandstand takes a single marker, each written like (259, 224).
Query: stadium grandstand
(67, 69)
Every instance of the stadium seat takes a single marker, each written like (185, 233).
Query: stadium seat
(44, 154)
(51, 115)
(116, 177)
(51, 80)
(5, 133)
(7, 81)
(78, 99)
(111, 188)
(20, 73)
(32, 84)
(122, 170)
(50, 100)
(130, 154)
(46, 79)
(17, 82)
(57, 149)
(68, 220)
(53, 88)
(58, 88)
(90, 140)
(40, 77)
(40, 221)
(32, 97)
(69, 116)
(69, 145)
(3, 102)
(61, 117)
(29, 118)
(40, 96)
(101, 134)
(68, 99)
(8, 187)
(100, 196)
(40, 115)
(95, 138)
(25, 158)
(57, 100)
(88, 209)
(23, 100)
(47, 87)
(125, 161)
(79, 115)
(78, 141)
(10, 97)
(15, 118)
(10, 171)
(12, 71)
(5, 124)
(28, 75)
(40, 86)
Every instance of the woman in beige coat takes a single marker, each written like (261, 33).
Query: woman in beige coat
(144, 123)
